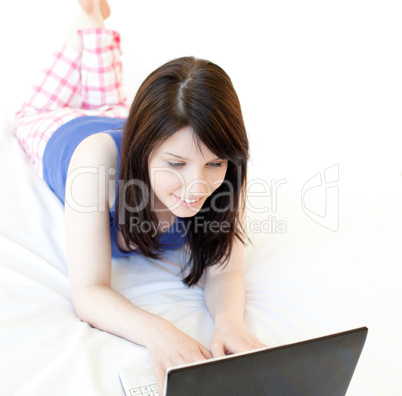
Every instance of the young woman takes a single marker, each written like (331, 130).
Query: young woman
(170, 175)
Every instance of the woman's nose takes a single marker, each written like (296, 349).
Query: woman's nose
(197, 185)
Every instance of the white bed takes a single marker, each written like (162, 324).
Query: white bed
(306, 112)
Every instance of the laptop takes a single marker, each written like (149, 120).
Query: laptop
(318, 367)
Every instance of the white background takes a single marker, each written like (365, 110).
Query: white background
(319, 82)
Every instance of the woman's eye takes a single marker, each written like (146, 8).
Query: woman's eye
(175, 164)
(180, 164)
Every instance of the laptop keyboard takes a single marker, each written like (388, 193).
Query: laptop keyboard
(150, 390)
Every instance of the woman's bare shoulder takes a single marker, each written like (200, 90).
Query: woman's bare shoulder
(95, 161)
(98, 149)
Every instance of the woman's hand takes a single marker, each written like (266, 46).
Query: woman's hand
(168, 346)
(231, 338)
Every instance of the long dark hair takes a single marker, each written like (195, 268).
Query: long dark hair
(199, 94)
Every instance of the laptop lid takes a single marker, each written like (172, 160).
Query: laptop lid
(320, 366)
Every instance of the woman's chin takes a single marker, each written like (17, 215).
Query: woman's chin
(183, 212)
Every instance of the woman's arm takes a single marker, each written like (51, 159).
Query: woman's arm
(88, 249)
(225, 297)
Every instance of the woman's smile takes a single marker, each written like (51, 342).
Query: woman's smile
(193, 203)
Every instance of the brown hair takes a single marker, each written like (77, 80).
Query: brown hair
(196, 93)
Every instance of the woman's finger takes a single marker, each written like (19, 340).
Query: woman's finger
(160, 380)
(206, 353)
(218, 349)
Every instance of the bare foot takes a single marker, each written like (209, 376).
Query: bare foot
(94, 6)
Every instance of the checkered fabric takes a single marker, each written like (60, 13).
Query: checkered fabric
(73, 85)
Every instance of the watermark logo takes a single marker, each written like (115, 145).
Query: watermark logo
(320, 198)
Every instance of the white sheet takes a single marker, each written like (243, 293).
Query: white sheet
(308, 281)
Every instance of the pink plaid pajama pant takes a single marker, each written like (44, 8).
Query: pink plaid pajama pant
(73, 85)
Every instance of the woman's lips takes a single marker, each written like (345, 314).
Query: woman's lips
(187, 205)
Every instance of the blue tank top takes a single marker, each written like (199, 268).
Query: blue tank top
(56, 159)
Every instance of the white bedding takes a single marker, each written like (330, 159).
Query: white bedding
(304, 282)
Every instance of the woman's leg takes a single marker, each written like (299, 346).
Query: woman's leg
(93, 14)
(83, 78)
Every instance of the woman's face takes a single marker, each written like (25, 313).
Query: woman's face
(183, 177)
